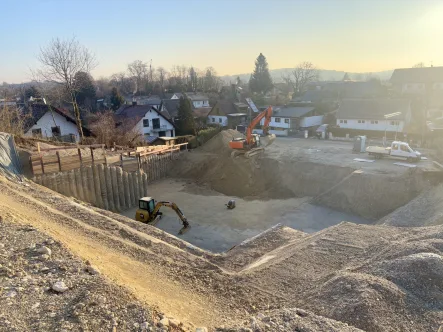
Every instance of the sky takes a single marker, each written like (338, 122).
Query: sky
(345, 35)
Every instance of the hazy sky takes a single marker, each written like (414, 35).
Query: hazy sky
(349, 35)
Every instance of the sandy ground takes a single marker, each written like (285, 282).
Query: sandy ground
(217, 229)
(336, 153)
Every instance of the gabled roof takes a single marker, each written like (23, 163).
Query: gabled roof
(196, 96)
(201, 112)
(138, 112)
(38, 110)
(171, 106)
(223, 108)
(372, 108)
(291, 112)
(417, 75)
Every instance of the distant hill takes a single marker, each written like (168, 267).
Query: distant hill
(325, 75)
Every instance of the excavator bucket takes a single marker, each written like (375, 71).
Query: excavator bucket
(267, 140)
(184, 230)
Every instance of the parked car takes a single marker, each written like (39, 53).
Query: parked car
(397, 149)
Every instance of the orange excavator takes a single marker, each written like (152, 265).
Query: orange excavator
(253, 144)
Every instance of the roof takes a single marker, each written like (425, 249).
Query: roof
(138, 112)
(178, 94)
(372, 108)
(151, 139)
(201, 112)
(291, 112)
(38, 110)
(196, 96)
(417, 75)
(223, 107)
(171, 106)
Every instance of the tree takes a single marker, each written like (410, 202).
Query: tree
(419, 65)
(346, 77)
(301, 76)
(193, 80)
(260, 80)
(60, 61)
(162, 76)
(185, 117)
(32, 91)
(86, 90)
(116, 99)
(139, 71)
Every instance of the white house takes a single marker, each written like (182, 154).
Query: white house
(418, 81)
(198, 100)
(292, 118)
(219, 114)
(48, 121)
(149, 121)
(369, 114)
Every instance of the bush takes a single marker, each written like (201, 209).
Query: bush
(205, 135)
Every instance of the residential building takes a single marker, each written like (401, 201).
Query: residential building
(152, 100)
(288, 119)
(198, 100)
(219, 114)
(417, 80)
(369, 114)
(169, 108)
(51, 122)
(147, 120)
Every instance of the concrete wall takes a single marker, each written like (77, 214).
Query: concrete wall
(108, 187)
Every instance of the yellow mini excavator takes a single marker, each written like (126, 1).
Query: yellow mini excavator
(148, 212)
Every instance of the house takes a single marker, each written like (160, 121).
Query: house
(417, 81)
(169, 108)
(198, 100)
(289, 119)
(49, 121)
(146, 120)
(152, 100)
(219, 114)
(369, 114)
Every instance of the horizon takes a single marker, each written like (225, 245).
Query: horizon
(341, 35)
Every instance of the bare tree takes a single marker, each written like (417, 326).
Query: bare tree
(419, 65)
(122, 82)
(60, 61)
(162, 77)
(139, 70)
(301, 76)
(13, 119)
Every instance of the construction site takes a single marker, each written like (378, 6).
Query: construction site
(319, 240)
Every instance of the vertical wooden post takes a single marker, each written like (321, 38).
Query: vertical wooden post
(104, 155)
(138, 161)
(80, 156)
(41, 163)
(59, 162)
(121, 160)
(38, 147)
(30, 164)
(92, 155)
(115, 148)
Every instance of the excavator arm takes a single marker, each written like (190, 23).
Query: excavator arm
(177, 210)
(267, 114)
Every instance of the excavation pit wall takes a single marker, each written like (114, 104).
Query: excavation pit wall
(108, 187)
(364, 194)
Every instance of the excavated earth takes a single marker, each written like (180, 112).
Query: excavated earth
(346, 277)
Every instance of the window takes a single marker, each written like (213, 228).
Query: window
(376, 121)
(156, 123)
(395, 147)
(286, 120)
(37, 132)
(392, 123)
(362, 121)
(345, 121)
(404, 148)
(359, 121)
(145, 122)
(372, 121)
(213, 119)
(341, 121)
(161, 133)
(55, 131)
(220, 120)
(277, 119)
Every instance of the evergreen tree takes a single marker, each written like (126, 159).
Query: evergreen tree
(116, 99)
(85, 89)
(185, 117)
(260, 81)
(193, 80)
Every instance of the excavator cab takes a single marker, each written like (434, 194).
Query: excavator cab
(146, 206)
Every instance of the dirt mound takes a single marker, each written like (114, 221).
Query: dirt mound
(361, 300)
(293, 319)
(420, 274)
(220, 143)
